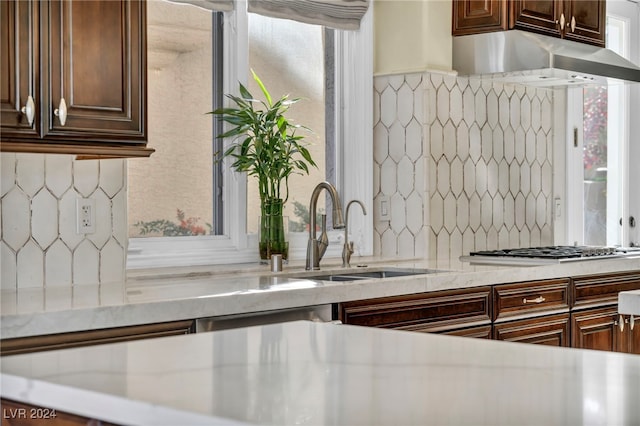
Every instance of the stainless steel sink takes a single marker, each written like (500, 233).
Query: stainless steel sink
(365, 275)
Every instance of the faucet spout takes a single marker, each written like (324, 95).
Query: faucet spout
(313, 246)
(347, 249)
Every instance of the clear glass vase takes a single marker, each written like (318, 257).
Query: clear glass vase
(273, 231)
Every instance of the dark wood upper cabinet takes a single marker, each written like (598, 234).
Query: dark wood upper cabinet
(89, 87)
(476, 16)
(583, 21)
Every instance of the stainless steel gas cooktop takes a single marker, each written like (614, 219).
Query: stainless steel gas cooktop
(546, 255)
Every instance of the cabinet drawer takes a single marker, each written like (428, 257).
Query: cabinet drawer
(596, 290)
(442, 310)
(526, 298)
(552, 330)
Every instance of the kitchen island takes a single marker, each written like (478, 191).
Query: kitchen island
(318, 374)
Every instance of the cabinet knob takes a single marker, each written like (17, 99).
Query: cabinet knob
(632, 322)
(573, 24)
(621, 323)
(29, 110)
(61, 112)
(563, 21)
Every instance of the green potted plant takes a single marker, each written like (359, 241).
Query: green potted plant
(267, 147)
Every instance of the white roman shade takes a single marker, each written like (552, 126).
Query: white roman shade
(339, 14)
(214, 5)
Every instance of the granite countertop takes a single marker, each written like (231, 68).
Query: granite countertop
(188, 293)
(318, 374)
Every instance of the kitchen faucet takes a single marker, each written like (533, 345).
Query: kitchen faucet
(315, 248)
(347, 250)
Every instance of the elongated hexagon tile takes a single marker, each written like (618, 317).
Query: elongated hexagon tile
(536, 113)
(498, 143)
(380, 143)
(450, 212)
(541, 146)
(486, 211)
(8, 172)
(481, 241)
(509, 144)
(514, 238)
(388, 177)
(406, 177)
(103, 216)
(468, 105)
(520, 148)
(469, 171)
(421, 184)
(486, 138)
(436, 212)
(430, 106)
(380, 83)
(112, 263)
(67, 219)
(525, 179)
(509, 211)
(432, 176)
(420, 105)
(546, 172)
(514, 179)
(396, 141)
(457, 177)
(398, 213)
(443, 251)
(44, 218)
(462, 213)
(468, 241)
(8, 271)
(436, 141)
(497, 211)
(520, 211)
(86, 176)
(444, 182)
(396, 81)
(86, 263)
(492, 239)
(389, 243)
(530, 146)
(449, 141)
(514, 111)
(535, 239)
(30, 268)
(503, 177)
(112, 176)
(492, 177)
(525, 112)
(547, 114)
(481, 178)
(536, 178)
(546, 235)
(530, 210)
(503, 237)
(492, 109)
(16, 217)
(57, 265)
(462, 141)
(58, 173)
(30, 172)
(455, 105)
(414, 80)
(415, 213)
(474, 212)
(406, 244)
(481, 106)
(442, 104)
(405, 104)
(414, 140)
(475, 143)
(542, 210)
(388, 102)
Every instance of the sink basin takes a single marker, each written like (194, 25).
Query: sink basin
(365, 275)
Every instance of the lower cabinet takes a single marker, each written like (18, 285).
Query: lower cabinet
(22, 345)
(605, 329)
(552, 330)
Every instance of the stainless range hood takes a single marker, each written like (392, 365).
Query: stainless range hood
(536, 60)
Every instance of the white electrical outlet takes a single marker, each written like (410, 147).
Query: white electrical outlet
(85, 215)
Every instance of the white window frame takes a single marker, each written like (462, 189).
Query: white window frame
(354, 136)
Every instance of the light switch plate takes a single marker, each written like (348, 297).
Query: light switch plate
(384, 208)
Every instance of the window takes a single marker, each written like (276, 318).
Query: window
(600, 203)
(176, 190)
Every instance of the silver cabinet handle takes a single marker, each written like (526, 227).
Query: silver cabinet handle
(562, 21)
(29, 110)
(538, 299)
(61, 112)
(573, 24)
(632, 322)
(621, 323)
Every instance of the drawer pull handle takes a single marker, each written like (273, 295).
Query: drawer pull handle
(619, 322)
(29, 110)
(538, 299)
(61, 112)
(632, 322)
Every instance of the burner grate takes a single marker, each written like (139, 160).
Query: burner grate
(550, 252)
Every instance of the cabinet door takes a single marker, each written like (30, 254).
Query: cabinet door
(96, 52)
(586, 21)
(598, 329)
(541, 16)
(18, 66)
(633, 330)
(473, 17)
(550, 330)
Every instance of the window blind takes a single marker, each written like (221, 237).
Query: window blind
(338, 14)
(214, 5)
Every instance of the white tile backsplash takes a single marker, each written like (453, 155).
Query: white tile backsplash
(485, 159)
(40, 245)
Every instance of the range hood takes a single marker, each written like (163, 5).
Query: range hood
(531, 59)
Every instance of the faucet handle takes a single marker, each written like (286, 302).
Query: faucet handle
(347, 251)
(323, 241)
